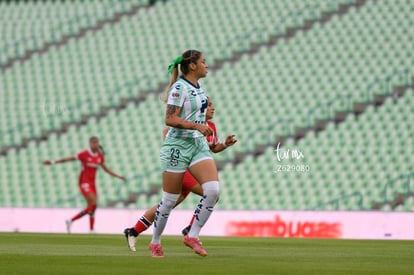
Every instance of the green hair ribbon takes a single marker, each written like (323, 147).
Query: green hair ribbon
(176, 61)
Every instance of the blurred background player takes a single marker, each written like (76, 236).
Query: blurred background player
(190, 184)
(90, 160)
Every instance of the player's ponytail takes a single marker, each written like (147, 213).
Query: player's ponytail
(173, 70)
(184, 60)
(101, 149)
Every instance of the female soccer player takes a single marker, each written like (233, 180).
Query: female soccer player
(90, 159)
(189, 184)
(185, 147)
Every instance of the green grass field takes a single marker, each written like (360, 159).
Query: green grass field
(22, 253)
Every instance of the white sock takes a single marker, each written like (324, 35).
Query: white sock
(205, 207)
(161, 215)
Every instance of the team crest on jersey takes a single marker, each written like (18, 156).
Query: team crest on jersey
(174, 162)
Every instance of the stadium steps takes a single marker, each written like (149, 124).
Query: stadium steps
(77, 35)
(339, 178)
(290, 32)
(398, 198)
(236, 56)
(319, 125)
(133, 197)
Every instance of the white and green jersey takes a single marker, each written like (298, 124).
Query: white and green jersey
(193, 103)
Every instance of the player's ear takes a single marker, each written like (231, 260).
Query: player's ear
(192, 66)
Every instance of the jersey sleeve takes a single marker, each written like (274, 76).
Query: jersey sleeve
(177, 95)
(103, 159)
(214, 138)
(81, 156)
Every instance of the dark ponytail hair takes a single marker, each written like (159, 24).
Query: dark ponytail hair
(184, 60)
(101, 149)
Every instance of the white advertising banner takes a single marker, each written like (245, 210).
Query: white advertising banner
(283, 224)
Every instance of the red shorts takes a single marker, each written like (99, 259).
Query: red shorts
(188, 182)
(87, 188)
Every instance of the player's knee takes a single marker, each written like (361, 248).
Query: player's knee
(211, 189)
(91, 209)
(91, 200)
(169, 200)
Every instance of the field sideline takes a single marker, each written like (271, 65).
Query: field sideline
(23, 253)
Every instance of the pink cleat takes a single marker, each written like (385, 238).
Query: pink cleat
(156, 250)
(195, 245)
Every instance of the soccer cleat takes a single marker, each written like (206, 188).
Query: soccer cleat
(156, 250)
(186, 230)
(68, 225)
(131, 236)
(195, 245)
(92, 231)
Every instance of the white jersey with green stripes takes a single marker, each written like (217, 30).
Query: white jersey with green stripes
(193, 103)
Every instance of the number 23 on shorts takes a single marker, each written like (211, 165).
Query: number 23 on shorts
(175, 153)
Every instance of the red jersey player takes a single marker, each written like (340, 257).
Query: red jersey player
(90, 160)
(190, 184)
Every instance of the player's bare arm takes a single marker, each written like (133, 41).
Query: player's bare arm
(218, 147)
(173, 119)
(110, 172)
(62, 160)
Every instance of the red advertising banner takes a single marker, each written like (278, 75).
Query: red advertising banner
(307, 228)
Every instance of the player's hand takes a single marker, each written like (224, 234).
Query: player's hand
(204, 129)
(122, 178)
(230, 140)
(47, 162)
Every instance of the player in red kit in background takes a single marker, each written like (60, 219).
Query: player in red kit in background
(90, 160)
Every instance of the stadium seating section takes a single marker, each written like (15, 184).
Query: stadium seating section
(125, 59)
(360, 164)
